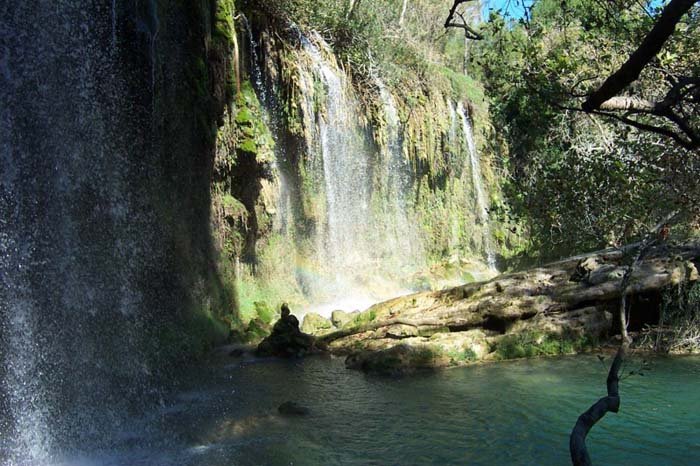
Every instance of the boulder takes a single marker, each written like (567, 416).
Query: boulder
(286, 340)
(316, 324)
(340, 318)
(290, 408)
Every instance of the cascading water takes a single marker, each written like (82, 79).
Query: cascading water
(86, 254)
(398, 181)
(256, 72)
(345, 167)
(352, 242)
(114, 23)
(477, 183)
(455, 144)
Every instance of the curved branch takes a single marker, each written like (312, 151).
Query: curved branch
(650, 46)
(586, 421)
(611, 403)
(687, 144)
(451, 22)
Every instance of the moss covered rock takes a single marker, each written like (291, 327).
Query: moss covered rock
(316, 324)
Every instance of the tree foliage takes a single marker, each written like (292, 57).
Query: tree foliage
(584, 180)
(372, 37)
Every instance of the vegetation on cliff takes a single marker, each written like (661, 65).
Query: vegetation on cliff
(409, 100)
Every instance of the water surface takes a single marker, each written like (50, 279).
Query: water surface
(515, 413)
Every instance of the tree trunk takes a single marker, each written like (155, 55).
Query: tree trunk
(650, 46)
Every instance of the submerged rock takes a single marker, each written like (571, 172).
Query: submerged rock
(396, 360)
(236, 352)
(290, 408)
(286, 340)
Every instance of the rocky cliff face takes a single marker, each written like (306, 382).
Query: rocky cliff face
(333, 184)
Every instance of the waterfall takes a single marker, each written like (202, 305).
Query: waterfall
(398, 180)
(88, 264)
(453, 122)
(361, 231)
(114, 23)
(454, 144)
(149, 24)
(256, 72)
(477, 183)
(345, 164)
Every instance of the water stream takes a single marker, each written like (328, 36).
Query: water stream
(352, 242)
(114, 23)
(78, 229)
(478, 184)
(255, 70)
(398, 182)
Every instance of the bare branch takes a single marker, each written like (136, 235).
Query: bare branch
(451, 22)
(611, 403)
(650, 46)
(586, 421)
(628, 103)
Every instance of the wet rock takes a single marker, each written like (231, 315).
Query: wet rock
(286, 340)
(397, 360)
(290, 408)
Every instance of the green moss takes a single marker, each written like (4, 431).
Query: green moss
(224, 27)
(362, 318)
(465, 355)
(256, 330)
(234, 205)
(244, 115)
(422, 357)
(532, 344)
(265, 312)
(249, 145)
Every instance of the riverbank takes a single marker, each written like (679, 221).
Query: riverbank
(565, 307)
